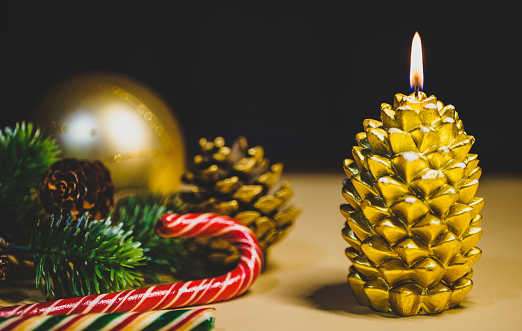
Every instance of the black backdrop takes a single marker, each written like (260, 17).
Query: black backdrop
(297, 77)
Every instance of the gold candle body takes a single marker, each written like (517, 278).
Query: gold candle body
(412, 218)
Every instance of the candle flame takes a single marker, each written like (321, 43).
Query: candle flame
(416, 71)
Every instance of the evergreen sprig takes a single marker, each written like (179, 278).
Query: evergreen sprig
(139, 214)
(82, 257)
(25, 156)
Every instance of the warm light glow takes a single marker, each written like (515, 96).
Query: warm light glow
(126, 129)
(81, 128)
(416, 71)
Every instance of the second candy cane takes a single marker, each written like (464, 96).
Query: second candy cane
(175, 295)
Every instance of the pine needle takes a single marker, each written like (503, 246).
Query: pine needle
(139, 214)
(25, 156)
(76, 258)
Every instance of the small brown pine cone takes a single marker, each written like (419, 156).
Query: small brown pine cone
(5, 263)
(78, 186)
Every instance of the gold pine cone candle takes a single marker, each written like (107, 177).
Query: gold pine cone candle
(239, 182)
(412, 217)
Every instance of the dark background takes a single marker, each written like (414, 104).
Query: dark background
(297, 77)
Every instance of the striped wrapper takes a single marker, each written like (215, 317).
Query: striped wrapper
(185, 319)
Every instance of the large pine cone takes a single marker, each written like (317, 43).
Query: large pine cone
(239, 182)
(78, 186)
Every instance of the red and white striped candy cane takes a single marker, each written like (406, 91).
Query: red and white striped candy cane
(175, 295)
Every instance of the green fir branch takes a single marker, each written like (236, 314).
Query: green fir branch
(82, 257)
(25, 156)
(139, 215)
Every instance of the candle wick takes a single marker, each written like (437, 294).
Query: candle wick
(416, 88)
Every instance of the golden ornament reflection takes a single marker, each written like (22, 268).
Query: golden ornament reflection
(120, 121)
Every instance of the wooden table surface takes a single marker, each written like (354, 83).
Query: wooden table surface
(305, 288)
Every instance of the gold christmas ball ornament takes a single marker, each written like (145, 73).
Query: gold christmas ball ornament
(121, 122)
(412, 217)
